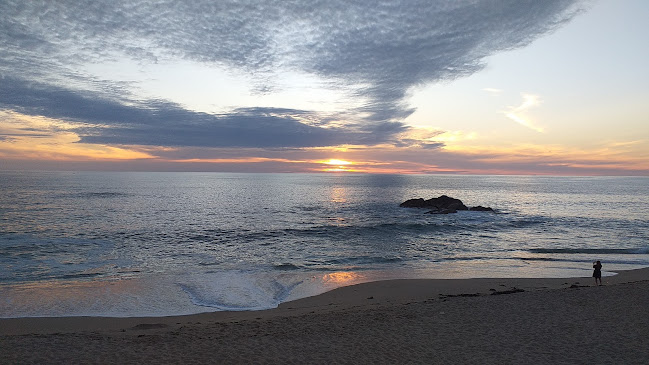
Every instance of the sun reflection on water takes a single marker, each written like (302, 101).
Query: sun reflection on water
(342, 278)
(338, 195)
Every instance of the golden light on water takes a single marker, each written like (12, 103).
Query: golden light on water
(342, 277)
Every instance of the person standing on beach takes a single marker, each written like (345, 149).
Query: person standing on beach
(597, 274)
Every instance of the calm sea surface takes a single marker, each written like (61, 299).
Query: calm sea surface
(127, 244)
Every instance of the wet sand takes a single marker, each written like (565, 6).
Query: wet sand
(474, 321)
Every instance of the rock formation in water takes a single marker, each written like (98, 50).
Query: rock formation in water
(442, 205)
(480, 208)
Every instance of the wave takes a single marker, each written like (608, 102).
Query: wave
(613, 251)
(79, 275)
(93, 195)
(335, 264)
(364, 260)
(394, 228)
(237, 290)
(287, 266)
(615, 260)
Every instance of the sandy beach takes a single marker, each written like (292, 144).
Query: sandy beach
(475, 321)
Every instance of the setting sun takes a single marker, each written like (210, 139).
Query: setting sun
(334, 161)
(335, 165)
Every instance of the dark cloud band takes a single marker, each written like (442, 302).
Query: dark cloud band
(161, 123)
(381, 49)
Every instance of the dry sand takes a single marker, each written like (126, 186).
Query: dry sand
(477, 321)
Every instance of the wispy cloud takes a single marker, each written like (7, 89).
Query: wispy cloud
(519, 113)
(493, 91)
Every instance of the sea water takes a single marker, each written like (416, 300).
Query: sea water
(149, 244)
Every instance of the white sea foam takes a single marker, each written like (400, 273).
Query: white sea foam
(239, 290)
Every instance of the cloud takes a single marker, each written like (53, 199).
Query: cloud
(518, 113)
(378, 49)
(162, 123)
(493, 91)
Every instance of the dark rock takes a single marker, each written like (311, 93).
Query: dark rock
(414, 203)
(480, 208)
(446, 202)
(442, 205)
(441, 211)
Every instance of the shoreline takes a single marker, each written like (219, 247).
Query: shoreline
(381, 292)
(179, 295)
(432, 315)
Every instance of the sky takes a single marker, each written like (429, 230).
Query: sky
(460, 87)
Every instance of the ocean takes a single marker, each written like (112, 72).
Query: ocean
(152, 244)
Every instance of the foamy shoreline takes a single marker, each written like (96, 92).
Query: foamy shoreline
(421, 320)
